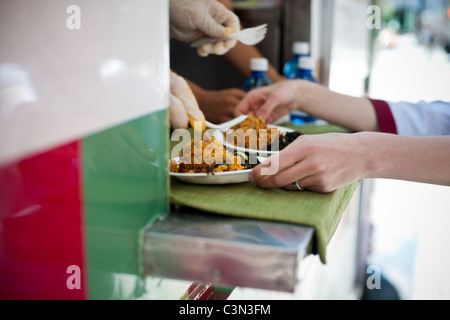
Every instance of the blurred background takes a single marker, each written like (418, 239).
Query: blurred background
(408, 59)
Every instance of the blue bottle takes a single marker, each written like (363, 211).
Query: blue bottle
(258, 78)
(306, 69)
(305, 72)
(300, 49)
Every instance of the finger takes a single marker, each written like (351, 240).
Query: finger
(231, 21)
(213, 29)
(194, 113)
(312, 183)
(177, 114)
(286, 158)
(205, 50)
(276, 114)
(268, 107)
(180, 89)
(285, 177)
(240, 94)
(234, 97)
(202, 53)
(230, 105)
(293, 187)
(219, 48)
(227, 18)
(251, 102)
(230, 43)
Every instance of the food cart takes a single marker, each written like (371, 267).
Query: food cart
(88, 209)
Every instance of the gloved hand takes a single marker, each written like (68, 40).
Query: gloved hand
(191, 20)
(183, 105)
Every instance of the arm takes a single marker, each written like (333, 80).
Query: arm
(421, 118)
(273, 102)
(420, 159)
(217, 105)
(326, 162)
(239, 57)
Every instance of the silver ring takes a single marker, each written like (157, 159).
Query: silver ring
(297, 186)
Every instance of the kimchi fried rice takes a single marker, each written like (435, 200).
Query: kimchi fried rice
(255, 132)
(206, 155)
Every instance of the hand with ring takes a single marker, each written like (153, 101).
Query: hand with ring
(320, 163)
(298, 186)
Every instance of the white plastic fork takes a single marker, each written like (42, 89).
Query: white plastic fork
(226, 125)
(249, 36)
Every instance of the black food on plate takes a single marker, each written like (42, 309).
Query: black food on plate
(247, 161)
(287, 138)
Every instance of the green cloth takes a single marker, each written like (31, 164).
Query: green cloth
(323, 212)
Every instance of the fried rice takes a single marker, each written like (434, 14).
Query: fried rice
(205, 155)
(252, 133)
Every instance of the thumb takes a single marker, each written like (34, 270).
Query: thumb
(177, 114)
(213, 29)
(180, 88)
(268, 108)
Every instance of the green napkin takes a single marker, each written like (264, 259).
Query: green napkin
(323, 212)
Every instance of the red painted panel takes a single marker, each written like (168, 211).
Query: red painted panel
(41, 231)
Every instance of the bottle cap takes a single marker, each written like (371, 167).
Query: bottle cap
(259, 64)
(300, 47)
(307, 63)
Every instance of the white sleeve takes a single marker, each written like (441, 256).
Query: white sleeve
(421, 118)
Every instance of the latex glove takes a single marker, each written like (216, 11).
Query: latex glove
(191, 20)
(183, 105)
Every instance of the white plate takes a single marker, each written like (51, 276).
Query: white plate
(228, 177)
(261, 153)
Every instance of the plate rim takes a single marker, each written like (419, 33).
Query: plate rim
(225, 173)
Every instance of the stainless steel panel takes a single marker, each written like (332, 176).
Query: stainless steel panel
(226, 251)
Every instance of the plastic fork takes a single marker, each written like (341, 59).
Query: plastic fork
(249, 36)
(226, 125)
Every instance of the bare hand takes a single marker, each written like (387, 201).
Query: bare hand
(219, 106)
(271, 102)
(320, 163)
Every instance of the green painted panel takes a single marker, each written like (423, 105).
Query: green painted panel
(125, 179)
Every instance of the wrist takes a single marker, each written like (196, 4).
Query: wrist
(306, 95)
(197, 91)
(375, 156)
